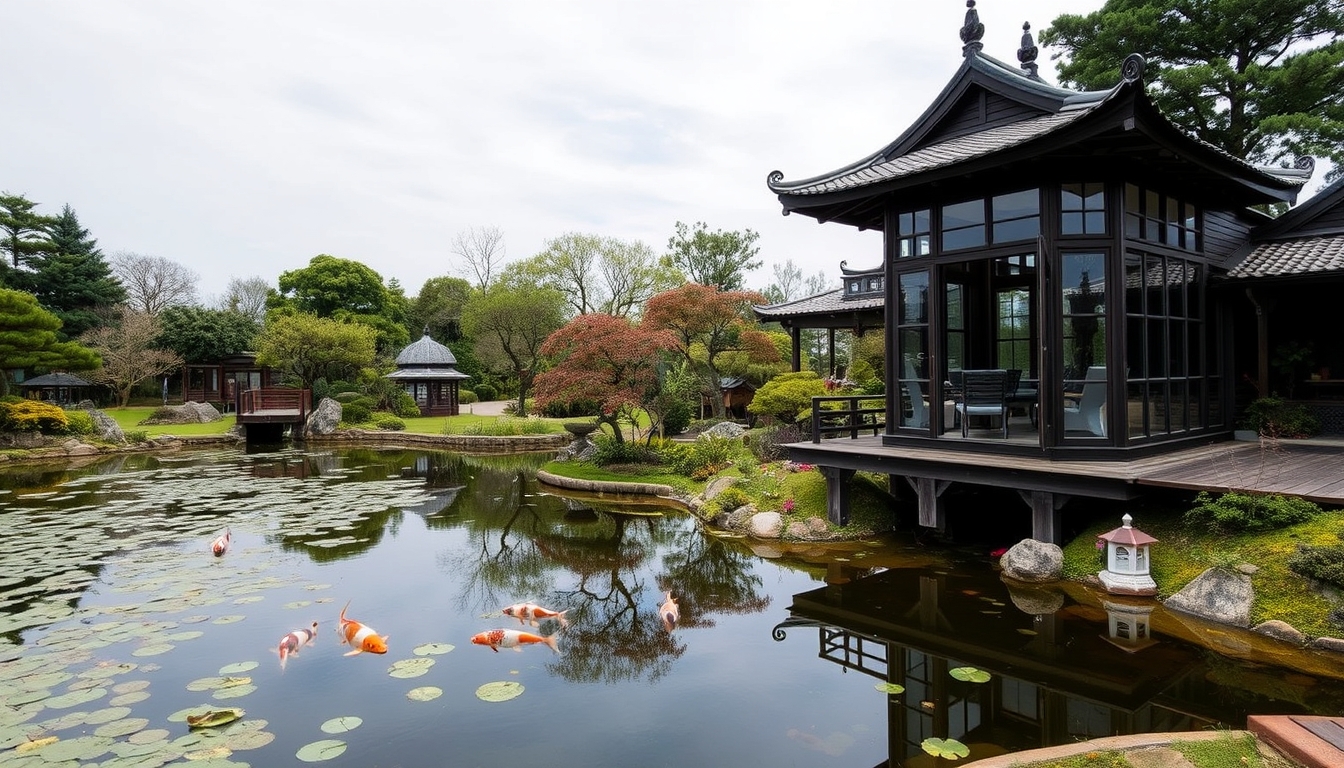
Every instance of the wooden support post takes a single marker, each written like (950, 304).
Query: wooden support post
(1045, 518)
(932, 513)
(837, 493)
(795, 335)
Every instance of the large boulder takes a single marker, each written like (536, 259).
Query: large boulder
(1218, 595)
(766, 525)
(727, 429)
(107, 427)
(1033, 561)
(1036, 601)
(324, 418)
(204, 412)
(187, 413)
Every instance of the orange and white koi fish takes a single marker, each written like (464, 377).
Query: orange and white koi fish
(221, 545)
(291, 643)
(669, 613)
(361, 637)
(512, 638)
(535, 614)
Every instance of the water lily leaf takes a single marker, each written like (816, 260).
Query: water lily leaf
(407, 668)
(230, 619)
(318, 751)
(241, 740)
(213, 718)
(197, 619)
(249, 599)
(890, 688)
(190, 634)
(153, 650)
(81, 748)
(969, 675)
(75, 698)
(213, 753)
(424, 693)
(342, 724)
(317, 587)
(950, 749)
(432, 649)
(206, 683)
(130, 686)
(29, 746)
(148, 737)
(26, 697)
(238, 668)
(500, 691)
(124, 727)
(107, 715)
(298, 604)
(234, 692)
(104, 671)
(125, 699)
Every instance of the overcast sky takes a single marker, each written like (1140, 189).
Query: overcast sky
(242, 138)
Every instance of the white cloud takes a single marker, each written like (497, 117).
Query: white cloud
(244, 138)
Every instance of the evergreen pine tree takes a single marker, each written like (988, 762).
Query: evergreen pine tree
(74, 281)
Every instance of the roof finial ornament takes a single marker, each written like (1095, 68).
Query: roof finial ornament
(1027, 53)
(971, 31)
(1132, 69)
(1305, 163)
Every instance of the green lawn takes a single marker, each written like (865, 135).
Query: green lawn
(130, 417)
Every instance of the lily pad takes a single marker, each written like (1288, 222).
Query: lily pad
(107, 715)
(892, 688)
(212, 753)
(213, 718)
(126, 699)
(342, 724)
(297, 604)
(75, 698)
(433, 649)
(238, 668)
(407, 668)
(969, 675)
(234, 692)
(206, 683)
(123, 727)
(240, 740)
(130, 686)
(148, 737)
(424, 693)
(153, 650)
(318, 751)
(230, 619)
(499, 691)
(950, 749)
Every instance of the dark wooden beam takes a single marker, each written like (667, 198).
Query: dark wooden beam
(837, 493)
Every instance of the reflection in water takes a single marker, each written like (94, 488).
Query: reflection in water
(1058, 673)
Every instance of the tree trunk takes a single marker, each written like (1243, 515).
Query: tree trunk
(615, 426)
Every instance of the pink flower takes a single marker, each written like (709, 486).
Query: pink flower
(788, 505)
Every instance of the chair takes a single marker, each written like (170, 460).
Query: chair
(984, 393)
(1084, 415)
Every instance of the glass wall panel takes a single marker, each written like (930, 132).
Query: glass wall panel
(1084, 302)
(912, 339)
(1016, 216)
(964, 225)
(1083, 209)
(956, 328)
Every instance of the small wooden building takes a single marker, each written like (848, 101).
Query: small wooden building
(223, 380)
(56, 388)
(427, 371)
(737, 395)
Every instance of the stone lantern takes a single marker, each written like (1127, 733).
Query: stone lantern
(1127, 560)
(1128, 625)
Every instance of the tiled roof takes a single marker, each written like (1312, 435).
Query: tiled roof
(55, 380)
(946, 153)
(829, 302)
(1310, 255)
(426, 352)
(439, 373)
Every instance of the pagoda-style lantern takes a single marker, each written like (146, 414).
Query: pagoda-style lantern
(1128, 625)
(1127, 560)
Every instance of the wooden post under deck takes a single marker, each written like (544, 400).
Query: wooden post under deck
(837, 493)
(932, 513)
(1045, 517)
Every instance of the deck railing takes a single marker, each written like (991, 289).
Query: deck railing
(275, 399)
(834, 415)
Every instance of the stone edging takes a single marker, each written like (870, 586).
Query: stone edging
(467, 443)
(605, 486)
(1134, 742)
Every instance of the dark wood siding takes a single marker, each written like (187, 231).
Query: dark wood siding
(1331, 220)
(1224, 233)
(976, 110)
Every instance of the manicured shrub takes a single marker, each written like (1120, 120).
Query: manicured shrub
(731, 498)
(345, 397)
(1321, 563)
(486, 392)
(466, 397)
(608, 451)
(677, 417)
(355, 412)
(787, 395)
(404, 405)
(137, 436)
(704, 457)
(1238, 512)
(33, 416)
(1277, 418)
(767, 443)
(388, 422)
(80, 423)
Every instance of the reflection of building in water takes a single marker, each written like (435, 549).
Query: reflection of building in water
(1054, 677)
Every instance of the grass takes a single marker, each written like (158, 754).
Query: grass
(129, 419)
(1182, 554)
(1226, 751)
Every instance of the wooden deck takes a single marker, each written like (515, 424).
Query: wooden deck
(271, 410)
(1312, 470)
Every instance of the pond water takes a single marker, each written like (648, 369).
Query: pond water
(116, 622)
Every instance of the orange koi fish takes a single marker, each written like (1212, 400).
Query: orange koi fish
(291, 643)
(361, 637)
(669, 613)
(535, 614)
(221, 545)
(511, 638)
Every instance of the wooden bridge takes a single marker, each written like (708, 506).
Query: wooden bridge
(265, 413)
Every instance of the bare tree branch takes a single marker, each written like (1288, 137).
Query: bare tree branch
(482, 248)
(153, 283)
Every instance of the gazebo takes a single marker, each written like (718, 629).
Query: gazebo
(59, 388)
(427, 371)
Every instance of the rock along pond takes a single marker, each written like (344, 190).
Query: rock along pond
(117, 623)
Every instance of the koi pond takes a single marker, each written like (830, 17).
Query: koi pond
(117, 624)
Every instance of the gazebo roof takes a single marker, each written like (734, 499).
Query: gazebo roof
(426, 352)
(55, 380)
(422, 373)
(1304, 242)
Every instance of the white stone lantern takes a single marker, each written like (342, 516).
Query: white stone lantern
(1127, 560)
(1128, 625)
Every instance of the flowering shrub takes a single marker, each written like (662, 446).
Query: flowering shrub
(33, 416)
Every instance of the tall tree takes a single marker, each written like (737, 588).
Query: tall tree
(788, 283)
(24, 234)
(709, 325)
(306, 348)
(719, 259)
(29, 339)
(153, 283)
(247, 296)
(1260, 79)
(509, 324)
(597, 274)
(604, 359)
(438, 307)
(481, 250)
(199, 335)
(73, 280)
(342, 289)
(128, 352)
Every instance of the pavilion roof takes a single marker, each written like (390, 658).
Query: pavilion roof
(832, 302)
(1308, 240)
(55, 380)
